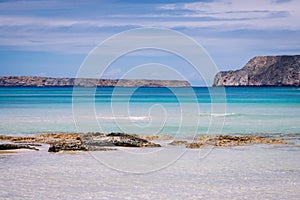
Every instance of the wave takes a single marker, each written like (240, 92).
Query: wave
(220, 114)
(131, 118)
(257, 116)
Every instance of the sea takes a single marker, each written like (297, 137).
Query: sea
(258, 171)
(154, 111)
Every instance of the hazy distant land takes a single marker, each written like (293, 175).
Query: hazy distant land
(259, 71)
(34, 81)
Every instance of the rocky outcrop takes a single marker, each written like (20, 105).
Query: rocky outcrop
(33, 81)
(46, 138)
(263, 71)
(106, 142)
(230, 140)
(100, 142)
(67, 145)
(179, 143)
(93, 140)
(83, 141)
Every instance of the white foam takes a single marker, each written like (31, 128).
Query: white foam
(222, 114)
(217, 114)
(131, 118)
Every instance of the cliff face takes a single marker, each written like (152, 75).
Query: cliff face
(263, 71)
(32, 81)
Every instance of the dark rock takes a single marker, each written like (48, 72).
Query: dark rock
(263, 71)
(75, 146)
(117, 139)
(99, 148)
(16, 146)
(99, 142)
(67, 146)
(33, 144)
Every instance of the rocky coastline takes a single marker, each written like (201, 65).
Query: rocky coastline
(263, 71)
(34, 81)
(106, 142)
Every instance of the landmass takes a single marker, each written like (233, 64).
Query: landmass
(34, 81)
(263, 71)
(106, 142)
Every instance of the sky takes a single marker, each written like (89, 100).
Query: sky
(52, 38)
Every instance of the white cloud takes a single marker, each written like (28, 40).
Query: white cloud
(168, 7)
(230, 14)
(79, 35)
(31, 5)
(237, 14)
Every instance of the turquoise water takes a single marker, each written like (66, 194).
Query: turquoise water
(254, 171)
(166, 111)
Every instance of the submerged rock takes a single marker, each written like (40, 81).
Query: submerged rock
(179, 143)
(156, 137)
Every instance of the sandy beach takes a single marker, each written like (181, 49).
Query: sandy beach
(242, 172)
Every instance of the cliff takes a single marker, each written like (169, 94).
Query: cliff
(33, 81)
(263, 71)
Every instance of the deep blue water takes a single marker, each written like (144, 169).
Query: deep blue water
(35, 95)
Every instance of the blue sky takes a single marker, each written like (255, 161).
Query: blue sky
(52, 38)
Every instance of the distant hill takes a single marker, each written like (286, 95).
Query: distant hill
(263, 71)
(33, 81)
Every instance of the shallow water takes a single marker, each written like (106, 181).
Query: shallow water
(248, 172)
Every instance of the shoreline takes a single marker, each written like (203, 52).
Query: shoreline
(248, 169)
(263, 171)
(106, 142)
